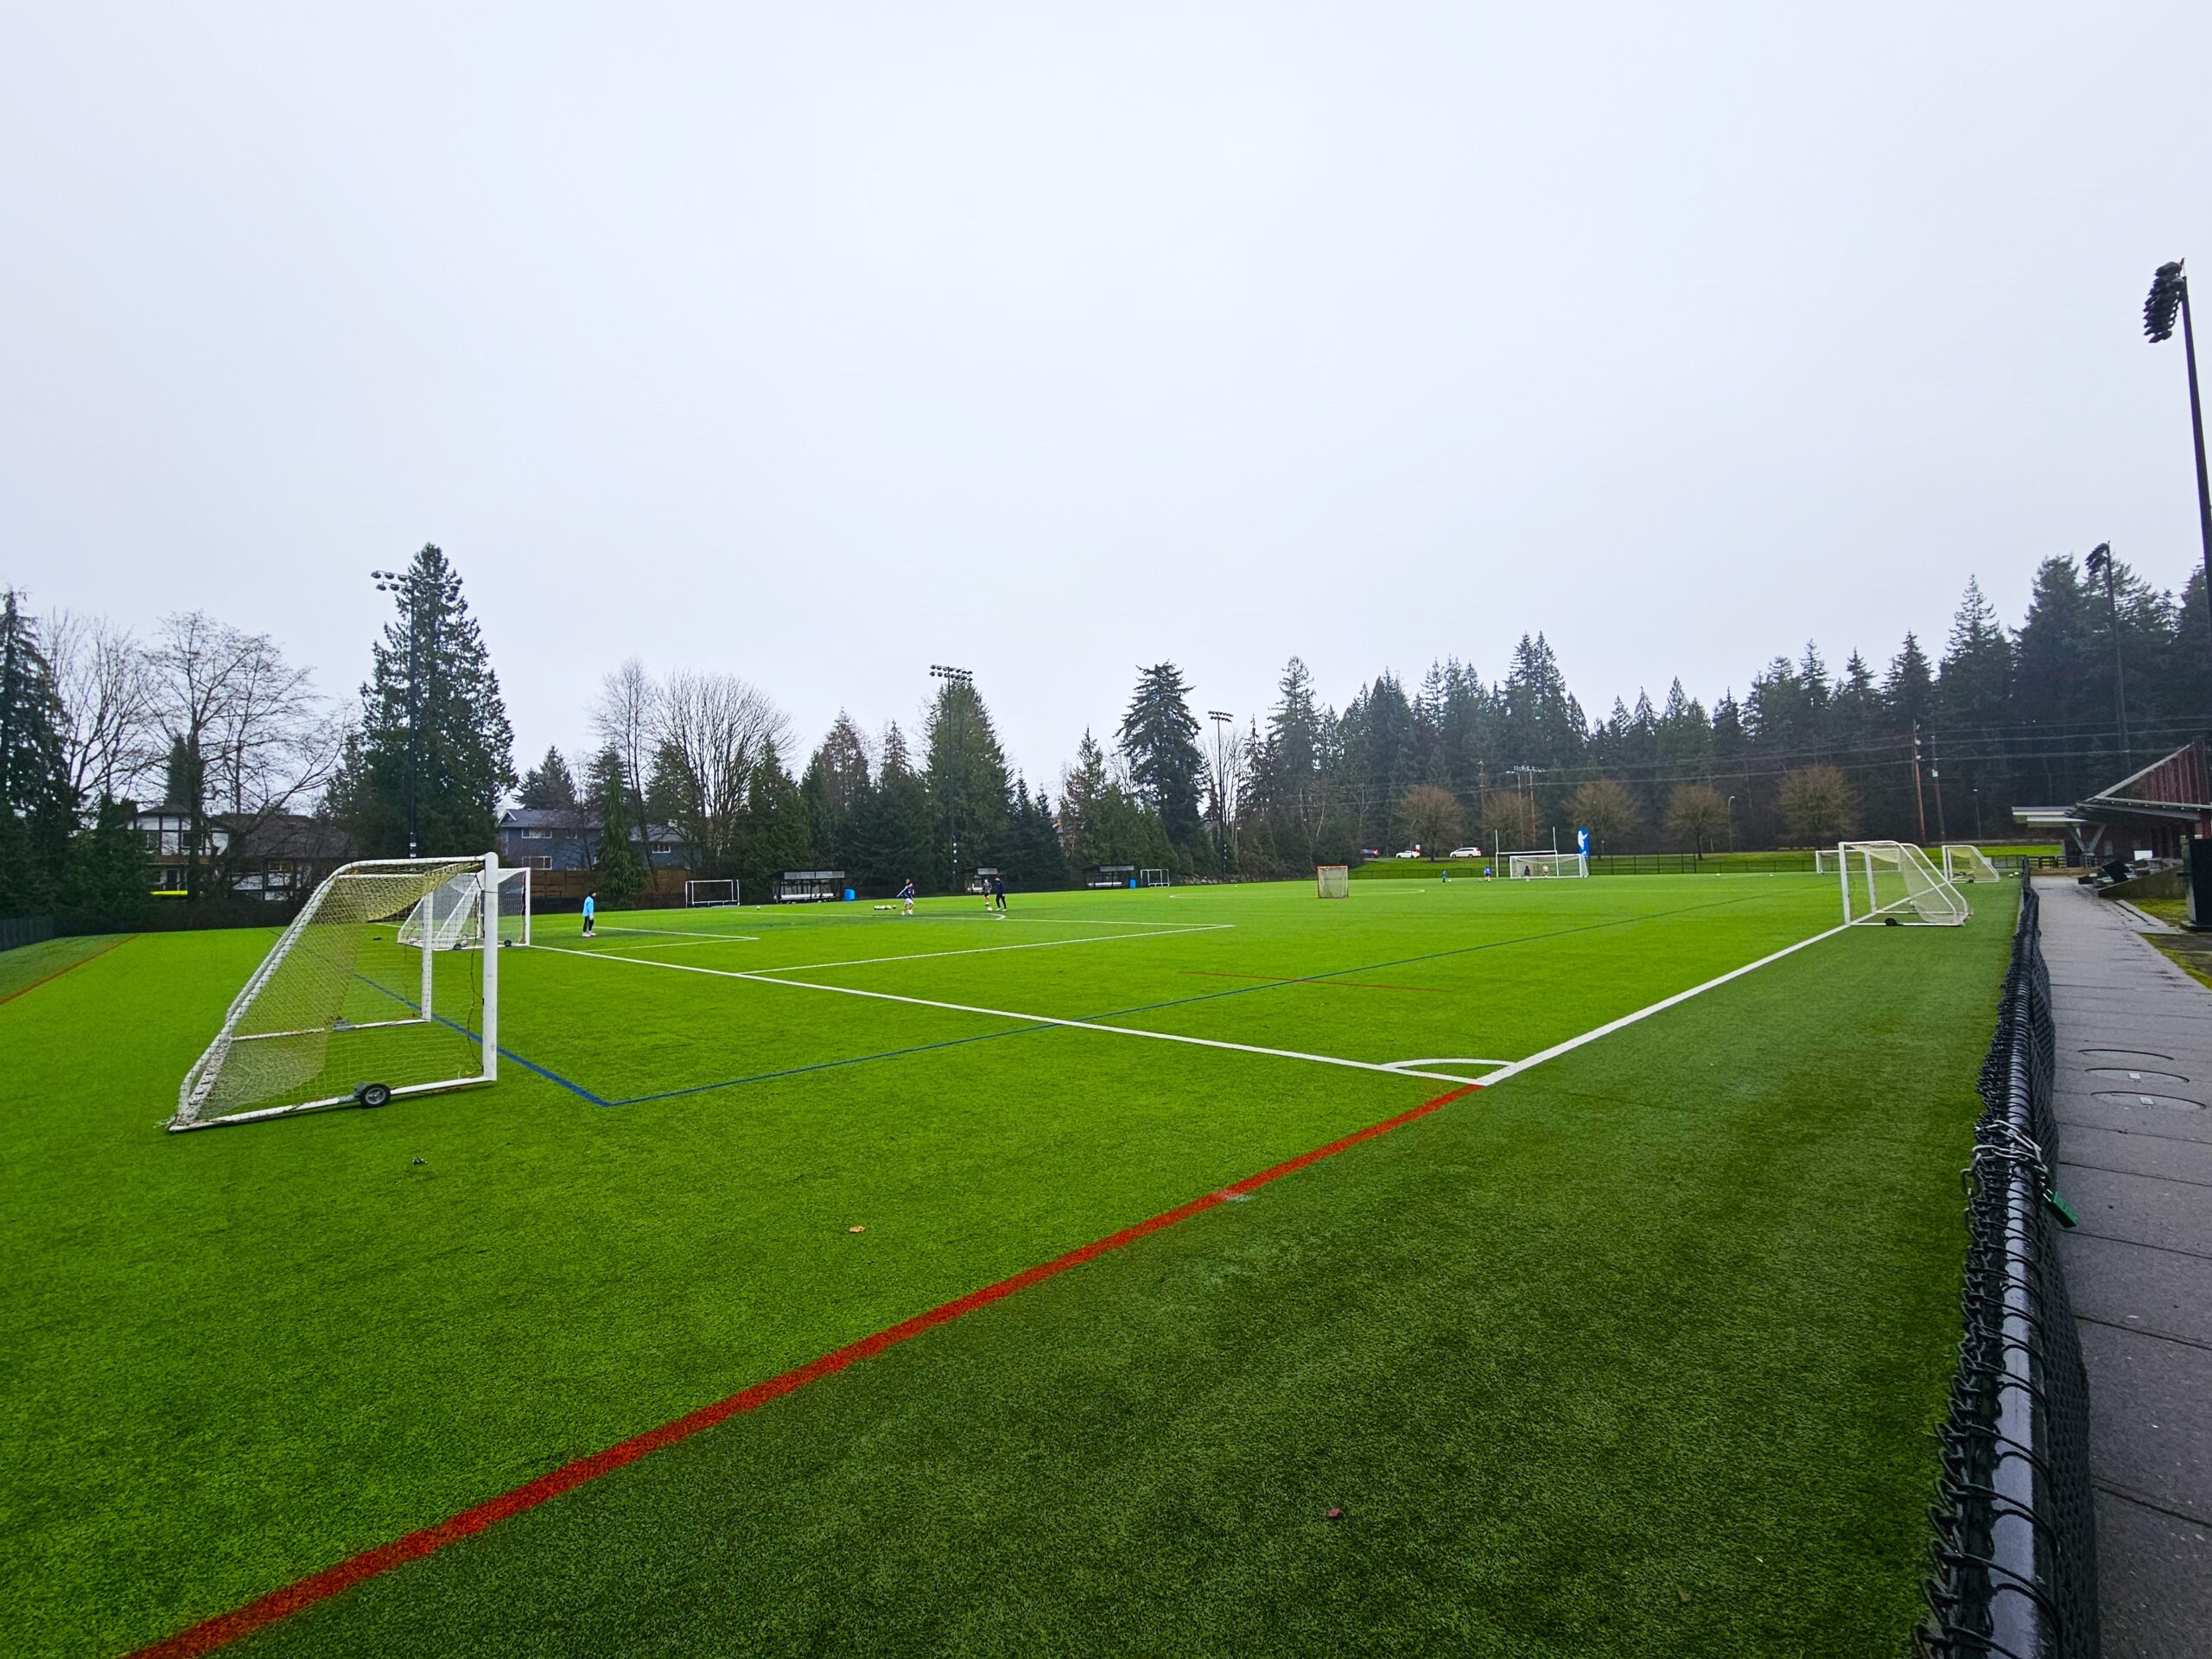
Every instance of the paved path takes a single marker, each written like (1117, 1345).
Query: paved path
(2134, 1103)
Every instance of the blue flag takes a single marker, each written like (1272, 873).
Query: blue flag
(1582, 842)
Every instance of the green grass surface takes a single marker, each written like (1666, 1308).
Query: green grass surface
(33, 964)
(1668, 1318)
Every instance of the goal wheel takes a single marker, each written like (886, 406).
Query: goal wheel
(373, 1094)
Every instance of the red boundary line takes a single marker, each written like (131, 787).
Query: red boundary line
(48, 979)
(225, 1628)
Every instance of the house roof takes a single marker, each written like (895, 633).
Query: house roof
(574, 819)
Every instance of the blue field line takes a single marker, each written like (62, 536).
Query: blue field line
(506, 1053)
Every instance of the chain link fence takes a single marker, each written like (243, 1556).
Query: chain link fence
(2013, 1561)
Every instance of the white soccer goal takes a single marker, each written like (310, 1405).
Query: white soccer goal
(1152, 878)
(450, 919)
(342, 1012)
(1963, 863)
(721, 892)
(1546, 864)
(514, 906)
(1332, 880)
(1893, 882)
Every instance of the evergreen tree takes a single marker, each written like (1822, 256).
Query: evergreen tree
(103, 887)
(36, 809)
(1159, 741)
(774, 836)
(548, 784)
(968, 786)
(835, 792)
(461, 757)
(1973, 699)
(620, 871)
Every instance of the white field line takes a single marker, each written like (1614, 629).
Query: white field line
(1026, 1019)
(1660, 1007)
(681, 944)
(1442, 1059)
(677, 933)
(987, 950)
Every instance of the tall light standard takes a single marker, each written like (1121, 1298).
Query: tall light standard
(1732, 823)
(408, 588)
(1220, 783)
(953, 677)
(2169, 294)
(2100, 563)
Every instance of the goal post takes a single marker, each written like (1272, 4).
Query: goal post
(450, 918)
(1332, 880)
(1965, 862)
(1152, 878)
(1544, 863)
(714, 891)
(343, 1011)
(1894, 883)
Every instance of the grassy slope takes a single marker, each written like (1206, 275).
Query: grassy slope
(1638, 1354)
(298, 1342)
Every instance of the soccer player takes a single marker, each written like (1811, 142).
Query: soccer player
(906, 896)
(591, 912)
(998, 895)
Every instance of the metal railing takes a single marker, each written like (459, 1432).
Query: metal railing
(2014, 1554)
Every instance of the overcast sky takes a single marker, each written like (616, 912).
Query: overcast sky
(822, 343)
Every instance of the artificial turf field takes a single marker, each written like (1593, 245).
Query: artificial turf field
(1634, 1351)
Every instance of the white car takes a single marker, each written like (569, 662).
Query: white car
(1410, 852)
(1466, 852)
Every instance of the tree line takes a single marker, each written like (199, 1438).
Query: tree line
(2103, 674)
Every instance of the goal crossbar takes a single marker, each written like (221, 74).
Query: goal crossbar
(1539, 863)
(713, 890)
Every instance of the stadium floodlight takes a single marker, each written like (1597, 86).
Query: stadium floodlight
(2169, 296)
(404, 582)
(2099, 565)
(344, 1012)
(952, 677)
(1893, 883)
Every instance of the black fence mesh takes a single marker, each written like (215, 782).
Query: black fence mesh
(2014, 1555)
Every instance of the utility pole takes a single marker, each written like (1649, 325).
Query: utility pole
(2100, 563)
(1221, 783)
(404, 584)
(2169, 294)
(1935, 771)
(1919, 805)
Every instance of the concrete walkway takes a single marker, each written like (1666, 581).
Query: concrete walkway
(2135, 1105)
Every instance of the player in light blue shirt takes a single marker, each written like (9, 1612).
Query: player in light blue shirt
(591, 912)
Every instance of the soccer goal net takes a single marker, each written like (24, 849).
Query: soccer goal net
(451, 918)
(1546, 864)
(1152, 878)
(1332, 880)
(344, 1011)
(723, 892)
(1964, 863)
(1893, 881)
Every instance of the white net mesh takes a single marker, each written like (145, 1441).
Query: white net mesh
(1894, 881)
(1546, 864)
(1963, 863)
(1333, 880)
(514, 907)
(341, 1003)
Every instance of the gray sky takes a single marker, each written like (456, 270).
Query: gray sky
(823, 342)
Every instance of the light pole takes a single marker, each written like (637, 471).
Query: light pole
(953, 678)
(1732, 823)
(2100, 563)
(1220, 783)
(402, 584)
(2169, 294)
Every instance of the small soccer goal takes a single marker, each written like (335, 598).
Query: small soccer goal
(1963, 863)
(451, 918)
(722, 891)
(368, 994)
(1535, 864)
(1893, 883)
(1152, 878)
(1332, 880)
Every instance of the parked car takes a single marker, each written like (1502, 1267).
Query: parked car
(1410, 852)
(1370, 852)
(1466, 852)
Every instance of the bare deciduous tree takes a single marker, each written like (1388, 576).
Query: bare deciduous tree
(1606, 808)
(1229, 767)
(1432, 818)
(715, 727)
(106, 694)
(1697, 814)
(1817, 804)
(627, 719)
(247, 734)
